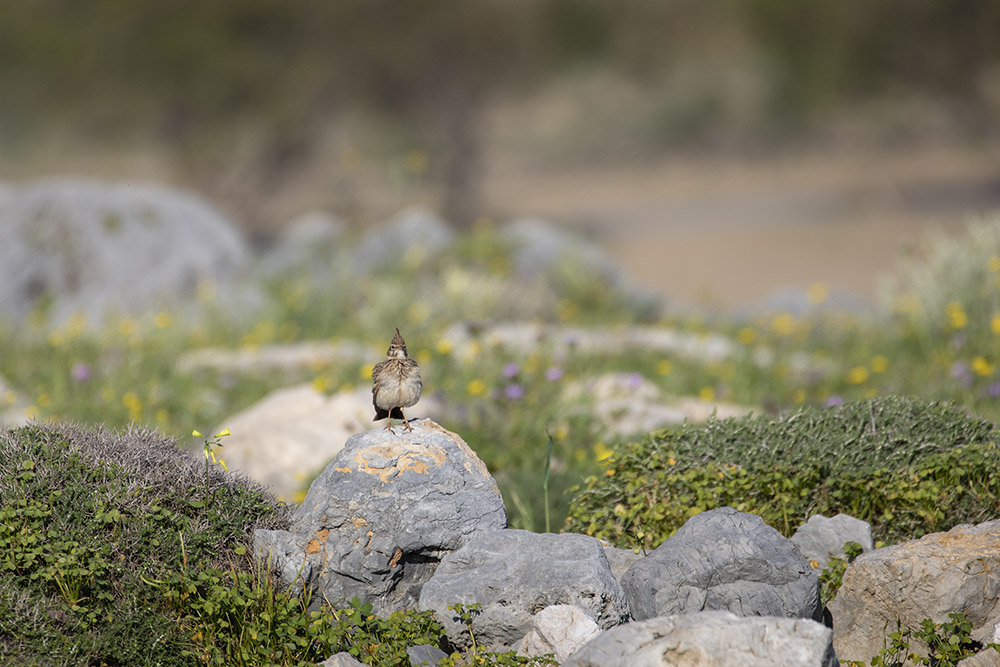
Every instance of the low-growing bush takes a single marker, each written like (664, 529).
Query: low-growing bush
(906, 466)
(85, 515)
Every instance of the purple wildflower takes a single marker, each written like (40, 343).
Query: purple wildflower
(510, 370)
(834, 401)
(514, 392)
(634, 381)
(553, 374)
(81, 371)
(993, 390)
(961, 373)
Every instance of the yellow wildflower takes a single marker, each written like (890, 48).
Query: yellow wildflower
(979, 365)
(444, 347)
(162, 320)
(366, 371)
(783, 324)
(993, 264)
(879, 364)
(857, 375)
(816, 293)
(747, 335)
(707, 394)
(476, 387)
(995, 323)
(664, 366)
(602, 451)
(956, 315)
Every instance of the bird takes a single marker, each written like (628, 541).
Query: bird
(396, 384)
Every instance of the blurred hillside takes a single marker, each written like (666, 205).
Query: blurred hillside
(364, 106)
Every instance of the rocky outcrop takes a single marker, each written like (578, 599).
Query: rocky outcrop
(821, 538)
(711, 639)
(384, 512)
(514, 574)
(941, 573)
(724, 560)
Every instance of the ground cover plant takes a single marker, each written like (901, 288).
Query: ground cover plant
(905, 465)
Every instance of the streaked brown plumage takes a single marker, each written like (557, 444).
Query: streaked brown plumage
(396, 384)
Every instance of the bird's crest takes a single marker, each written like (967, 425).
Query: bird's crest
(397, 344)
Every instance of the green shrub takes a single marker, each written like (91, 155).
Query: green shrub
(906, 466)
(85, 517)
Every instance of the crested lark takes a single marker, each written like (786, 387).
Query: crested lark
(396, 384)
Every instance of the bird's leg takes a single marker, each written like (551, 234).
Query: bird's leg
(388, 424)
(406, 422)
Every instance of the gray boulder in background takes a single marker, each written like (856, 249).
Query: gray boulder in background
(724, 560)
(514, 574)
(307, 247)
(710, 639)
(413, 230)
(941, 573)
(541, 247)
(383, 513)
(822, 538)
(115, 249)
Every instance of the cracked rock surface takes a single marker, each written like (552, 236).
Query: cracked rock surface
(715, 638)
(724, 560)
(381, 516)
(514, 574)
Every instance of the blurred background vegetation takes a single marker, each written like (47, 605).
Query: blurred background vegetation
(270, 107)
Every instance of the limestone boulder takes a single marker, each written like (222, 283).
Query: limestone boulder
(514, 574)
(710, 639)
(953, 572)
(724, 560)
(381, 516)
(99, 250)
(822, 538)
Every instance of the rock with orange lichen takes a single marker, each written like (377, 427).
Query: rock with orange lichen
(379, 518)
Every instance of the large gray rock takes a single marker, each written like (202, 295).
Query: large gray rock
(710, 639)
(99, 250)
(559, 631)
(514, 574)
(292, 433)
(541, 247)
(941, 573)
(379, 518)
(821, 538)
(724, 560)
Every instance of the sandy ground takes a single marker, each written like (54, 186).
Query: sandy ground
(735, 232)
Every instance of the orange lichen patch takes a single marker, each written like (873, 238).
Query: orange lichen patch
(343, 470)
(400, 457)
(396, 557)
(360, 523)
(316, 544)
